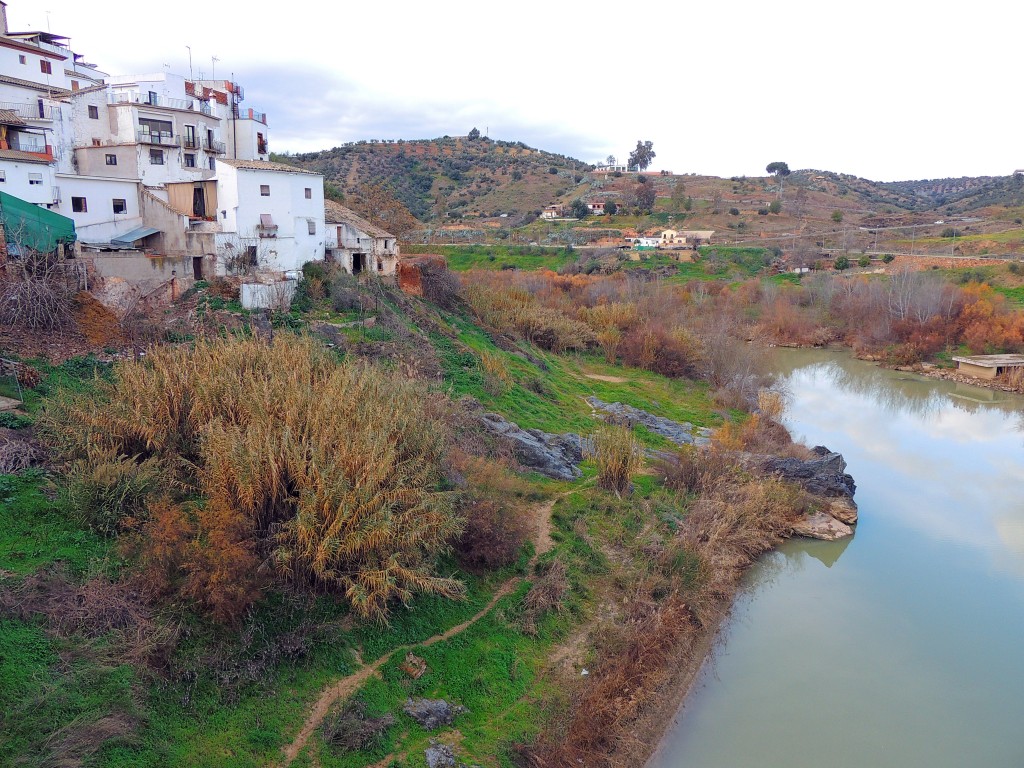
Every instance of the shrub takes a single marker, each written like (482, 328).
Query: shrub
(695, 470)
(350, 729)
(345, 293)
(547, 593)
(618, 455)
(864, 261)
(734, 211)
(108, 492)
(841, 263)
(888, 258)
(306, 471)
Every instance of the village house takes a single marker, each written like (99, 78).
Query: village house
(552, 212)
(596, 207)
(670, 238)
(356, 244)
(270, 216)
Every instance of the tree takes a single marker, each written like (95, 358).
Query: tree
(842, 263)
(779, 170)
(775, 207)
(474, 134)
(645, 195)
(864, 261)
(641, 157)
(611, 207)
(837, 216)
(578, 208)
(678, 194)
(610, 160)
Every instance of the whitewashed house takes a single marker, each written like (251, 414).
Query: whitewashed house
(357, 244)
(270, 215)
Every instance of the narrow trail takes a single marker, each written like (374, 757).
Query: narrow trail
(346, 686)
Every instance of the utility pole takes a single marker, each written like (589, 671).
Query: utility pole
(213, 67)
(190, 75)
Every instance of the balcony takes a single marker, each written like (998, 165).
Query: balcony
(190, 142)
(31, 111)
(261, 147)
(131, 97)
(160, 138)
(216, 147)
(23, 143)
(249, 114)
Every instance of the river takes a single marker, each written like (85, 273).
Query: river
(901, 646)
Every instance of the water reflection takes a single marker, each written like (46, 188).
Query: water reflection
(899, 647)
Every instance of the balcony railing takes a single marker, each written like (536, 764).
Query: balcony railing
(23, 144)
(161, 138)
(190, 142)
(249, 114)
(131, 97)
(31, 111)
(217, 147)
(205, 108)
(261, 147)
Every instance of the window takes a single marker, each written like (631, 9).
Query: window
(264, 190)
(311, 224)
(213, 163)
(120, 206)
(190, 161)
(3, 176)
(94, 112)
(74, 85)
(111, 159)
(309, 193)
(151, 98)
(44, 67)
(78, 205)
(156, 157)
(35, 178)
(21, 59)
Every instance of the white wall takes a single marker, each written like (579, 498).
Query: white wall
(11, 66)
(99, 223)
(240, 204)
(16, 181)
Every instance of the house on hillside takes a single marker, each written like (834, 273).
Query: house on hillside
(271, 215)
(552, 212)
(357, 244)
(672, 239)
(695, 238)
(596, 208)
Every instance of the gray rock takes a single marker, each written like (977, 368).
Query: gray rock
(432, 713)
(680, 433)
(554, 455)
(822, 476)
(440, 756)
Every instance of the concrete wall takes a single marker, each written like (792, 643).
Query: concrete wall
(268, 296)
(977, 371)
(173, 226)
(92, 161)
(10, 64)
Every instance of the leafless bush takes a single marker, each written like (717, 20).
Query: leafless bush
(696, 470)
(36, 293)
(440, 285)
(546, 594)
(16, 455)
(351, 729)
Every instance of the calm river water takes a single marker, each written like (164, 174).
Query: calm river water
(902, 646)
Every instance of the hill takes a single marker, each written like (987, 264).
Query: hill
(451, 177)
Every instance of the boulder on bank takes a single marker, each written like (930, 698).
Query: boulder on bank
(555, 455)
(824, 475)
(680, 433)
(821, 525)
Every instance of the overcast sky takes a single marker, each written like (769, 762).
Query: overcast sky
(884, 90)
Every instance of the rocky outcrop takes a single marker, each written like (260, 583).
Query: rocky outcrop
(432, 713)
(824, 475)
(554, 455)
(680, 433)
(439, 756)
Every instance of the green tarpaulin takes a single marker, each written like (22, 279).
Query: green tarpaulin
(29, 226)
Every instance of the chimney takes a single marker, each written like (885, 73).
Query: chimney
(3, 18)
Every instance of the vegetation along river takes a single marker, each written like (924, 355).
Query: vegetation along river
(902, 645)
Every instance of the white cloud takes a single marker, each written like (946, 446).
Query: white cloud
(874, 89)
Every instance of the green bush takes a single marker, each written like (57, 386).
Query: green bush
(109, 492)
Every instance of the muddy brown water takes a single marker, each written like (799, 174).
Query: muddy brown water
(901, 646)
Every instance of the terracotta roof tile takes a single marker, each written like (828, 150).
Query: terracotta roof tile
(10, 117)
(335, 212)
(263, 165)
(27, 157)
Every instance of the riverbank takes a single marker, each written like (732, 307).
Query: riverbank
(908, 633)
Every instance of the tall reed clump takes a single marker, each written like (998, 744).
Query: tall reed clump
(618, 454)
(276, 464)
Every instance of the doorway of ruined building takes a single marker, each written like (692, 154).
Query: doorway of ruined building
(197, 267)
(358, 263)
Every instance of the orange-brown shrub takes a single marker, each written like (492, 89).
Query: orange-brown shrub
(673, 353)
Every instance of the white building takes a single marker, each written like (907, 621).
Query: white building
(270, 215)
(154, 162)
(357, 244)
